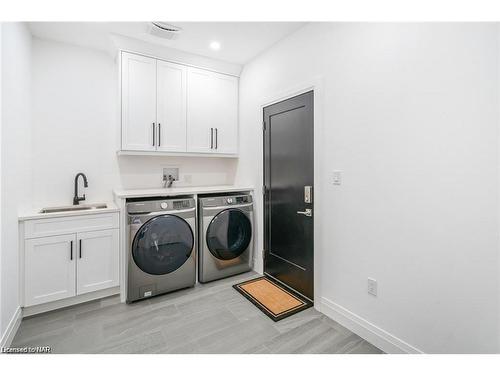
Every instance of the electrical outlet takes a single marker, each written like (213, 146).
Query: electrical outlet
(372, 286)
(337, 177)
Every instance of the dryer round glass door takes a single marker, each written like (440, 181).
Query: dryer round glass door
(229, 234)
(162, 244)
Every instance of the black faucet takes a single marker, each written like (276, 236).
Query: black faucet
(76, 198)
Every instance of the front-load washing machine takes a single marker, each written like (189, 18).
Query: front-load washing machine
(226, 236)
(161, 246)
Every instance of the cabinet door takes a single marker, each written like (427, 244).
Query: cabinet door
(138, 92)
(171, 107)
(200, 97)
(98, 260)
(50, 269)
(225, 113)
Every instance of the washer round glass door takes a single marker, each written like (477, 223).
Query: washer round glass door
(229, 234)
(162, 244)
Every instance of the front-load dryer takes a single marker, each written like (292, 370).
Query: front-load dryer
(226, 236)
(161, 246)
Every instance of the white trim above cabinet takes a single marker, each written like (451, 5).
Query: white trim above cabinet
(173, 109)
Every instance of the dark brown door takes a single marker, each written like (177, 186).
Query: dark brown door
(288, 184)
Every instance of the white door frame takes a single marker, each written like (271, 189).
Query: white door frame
(315, 84)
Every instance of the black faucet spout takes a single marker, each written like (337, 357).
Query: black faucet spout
(76, 198)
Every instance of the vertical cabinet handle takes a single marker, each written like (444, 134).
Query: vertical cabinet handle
(154, 134)
(211, 137)
(216, 138)
(80, 246)
(71, 251)
(159, 134)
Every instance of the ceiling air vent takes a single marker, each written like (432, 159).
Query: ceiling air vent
(164, 30)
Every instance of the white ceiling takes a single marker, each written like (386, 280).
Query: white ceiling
(240, 41)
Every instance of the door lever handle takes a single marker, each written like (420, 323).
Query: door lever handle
(308, 212)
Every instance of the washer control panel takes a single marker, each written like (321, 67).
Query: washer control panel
(156, 205)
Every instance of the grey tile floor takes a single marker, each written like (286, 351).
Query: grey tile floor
(209, 318)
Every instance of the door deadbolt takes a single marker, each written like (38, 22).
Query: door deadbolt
(307, 194)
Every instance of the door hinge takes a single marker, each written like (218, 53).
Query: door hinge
(263, 190)
(263, 126)
(263, 254)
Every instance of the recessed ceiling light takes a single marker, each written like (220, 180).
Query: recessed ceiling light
(215, 45)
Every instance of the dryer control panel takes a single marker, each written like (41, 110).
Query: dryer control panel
(225, 201)
(238, 200)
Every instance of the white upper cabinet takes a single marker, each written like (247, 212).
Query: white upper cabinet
(175, 109)
(200, 128)
(212, 124)
(225, 113)
(171, 106)
(138, 102)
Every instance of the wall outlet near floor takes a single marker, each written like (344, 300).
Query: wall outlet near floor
(372, 286)
(337, 177)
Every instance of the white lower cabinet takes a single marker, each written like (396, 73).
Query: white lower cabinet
(50, 269)
(97, 262)
(72, 264)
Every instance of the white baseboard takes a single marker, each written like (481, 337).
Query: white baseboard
(66, 302)
(12, 328)
(368, 331)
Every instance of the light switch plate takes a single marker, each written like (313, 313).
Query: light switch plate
(372, 286)
(337, 177)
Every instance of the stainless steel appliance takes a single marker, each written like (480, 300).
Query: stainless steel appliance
(161, 246)
(225, 236)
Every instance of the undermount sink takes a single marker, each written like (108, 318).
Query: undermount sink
(82, 207)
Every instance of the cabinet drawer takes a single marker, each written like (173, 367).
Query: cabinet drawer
(71, 224)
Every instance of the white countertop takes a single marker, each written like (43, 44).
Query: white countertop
(138, 193)
(35, 213)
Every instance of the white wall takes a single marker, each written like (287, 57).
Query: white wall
(411, 118)
(76, 129)
(1, 116)
(16, 156)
